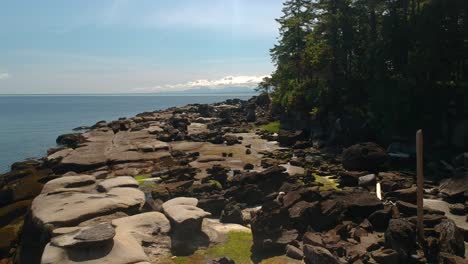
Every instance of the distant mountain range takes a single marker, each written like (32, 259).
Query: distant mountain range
(210, 90)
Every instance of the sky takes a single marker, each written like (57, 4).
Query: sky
(133, 46)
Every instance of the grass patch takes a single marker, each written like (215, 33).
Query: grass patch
(144, 184)
(272, 127)
(141, 178)
(237, 247)
(328, 184)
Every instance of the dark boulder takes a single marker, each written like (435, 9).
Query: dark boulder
(317, 255)
(380, 218)
(289, 138)
(364, 156)
(294, 252)
(407, 195)
(232, 213)
(450, 238)
(401, 237)
(70, 140)
(223, 260)
(385, 256)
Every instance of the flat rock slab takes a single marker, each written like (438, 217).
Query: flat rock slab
(69, 209)
(86, 237)
(72, 183)
(460, 221)
(454, 186)
(146, 224)
(122, 181)
(103, 147)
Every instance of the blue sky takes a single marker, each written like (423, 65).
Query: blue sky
(117, 46)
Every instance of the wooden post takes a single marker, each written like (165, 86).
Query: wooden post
(420, 183)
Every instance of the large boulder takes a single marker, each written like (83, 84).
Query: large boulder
(288, 138)
(364, 156)
(184, 214)
(401, 237)
(72, 208)
(186, 223)
(450, 238)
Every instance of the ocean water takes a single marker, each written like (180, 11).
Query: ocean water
(29, 124)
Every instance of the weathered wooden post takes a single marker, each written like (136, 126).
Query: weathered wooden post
(420, 183)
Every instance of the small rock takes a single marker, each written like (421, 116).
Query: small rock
(319, 255)
(294, 252)
(232, 213)
(457, 209)
(385, 256)
(366, 180)
(223, 260)
(248, 166)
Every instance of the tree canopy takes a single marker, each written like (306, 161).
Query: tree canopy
(402, 64)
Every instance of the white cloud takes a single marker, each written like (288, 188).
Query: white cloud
(228, 81)
(4, 75)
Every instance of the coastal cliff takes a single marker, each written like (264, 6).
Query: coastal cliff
(225, 183)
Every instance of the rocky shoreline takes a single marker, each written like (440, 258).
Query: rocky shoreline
(221, 183)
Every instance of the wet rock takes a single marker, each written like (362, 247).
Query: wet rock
(401, 237)
(71, 140)
(364, 156)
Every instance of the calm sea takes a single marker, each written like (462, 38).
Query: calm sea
(30, 124)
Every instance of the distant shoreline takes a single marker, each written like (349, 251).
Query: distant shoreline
(139, 94)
